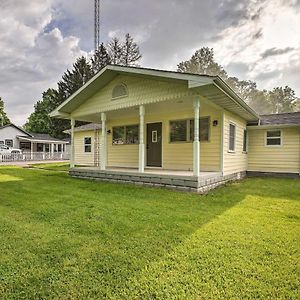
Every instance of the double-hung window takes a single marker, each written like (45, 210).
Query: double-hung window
(125, 135)
(273, 138)
(9, 143)
(87, 144)
(232, 132)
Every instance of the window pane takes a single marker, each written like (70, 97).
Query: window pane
(273, 133)
(245, 141)
(203, 129)
(231, 137)
(87, 148)
(118, 135)
(9, 143)
(132, 134)
(178, 131)
(273, 141)
(88, 140)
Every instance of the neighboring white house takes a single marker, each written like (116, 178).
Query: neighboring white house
(15, 137)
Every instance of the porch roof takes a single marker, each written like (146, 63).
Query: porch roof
(211, 87)
(41, 138)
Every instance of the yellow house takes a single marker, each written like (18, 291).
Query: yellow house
(164, 128)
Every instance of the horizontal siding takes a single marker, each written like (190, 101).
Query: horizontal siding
(82, 158)
(140, 91)
(237, 161)
(175, 156)
(274, 159)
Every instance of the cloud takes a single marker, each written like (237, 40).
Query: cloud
(39, 40)
(31, 60)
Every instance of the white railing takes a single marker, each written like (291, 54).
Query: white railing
(34, 156)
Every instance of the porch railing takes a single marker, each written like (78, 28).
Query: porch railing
(34, 156)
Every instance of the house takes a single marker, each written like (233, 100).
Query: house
(186, 131)
(32, 143)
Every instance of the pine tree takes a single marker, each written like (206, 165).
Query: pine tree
(115, 51)
(130, 52)
(100, 59)
(4, 120)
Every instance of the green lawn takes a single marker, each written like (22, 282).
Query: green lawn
(64, 238)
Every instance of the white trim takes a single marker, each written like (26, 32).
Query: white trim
(72, 156)
(103, 153)
(141, 139)
(235, 127)
(222, 142)
(249, 127)
(273, 138)
(84, 144)
(196, 143)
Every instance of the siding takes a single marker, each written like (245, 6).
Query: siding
(175, 156)
(274, 159)
(82, 158)
(236, 161)
(140, 91)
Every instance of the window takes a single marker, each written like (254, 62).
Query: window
(273, 138)
(178, 131)
(9, 143)
(1, 142)
(87, 144)
(232, 137)
(119, 91)
(125, 135)
(183, 130)
(245, 141)
(203, 129)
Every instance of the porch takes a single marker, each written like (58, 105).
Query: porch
(172, 179)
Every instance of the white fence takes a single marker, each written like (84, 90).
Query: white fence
(34, 156)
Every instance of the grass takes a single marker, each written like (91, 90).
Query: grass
(64, 238)
(61, 166)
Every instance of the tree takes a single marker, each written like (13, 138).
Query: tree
(100, 59)
(115, 51)
(4, 120)
(39, 121)
(74, 79)
(282, 99)
(202, 62)
(130, 52)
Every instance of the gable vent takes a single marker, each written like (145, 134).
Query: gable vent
(119, 91)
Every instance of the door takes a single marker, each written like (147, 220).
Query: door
(154, 144)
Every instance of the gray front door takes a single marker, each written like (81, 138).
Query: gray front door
(154, 144)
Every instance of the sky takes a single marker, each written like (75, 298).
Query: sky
(252, 39)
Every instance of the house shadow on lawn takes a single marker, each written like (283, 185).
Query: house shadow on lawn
(113, 233)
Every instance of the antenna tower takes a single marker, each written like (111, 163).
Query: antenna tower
(97, 25)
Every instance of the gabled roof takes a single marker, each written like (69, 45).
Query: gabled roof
(18, 128)
(290, 118)
(218, 92)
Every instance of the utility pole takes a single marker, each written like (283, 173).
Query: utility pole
(97, 25)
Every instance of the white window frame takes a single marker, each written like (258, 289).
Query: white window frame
(84, 144)
(234, 150)
(247, 141)
(266, 138)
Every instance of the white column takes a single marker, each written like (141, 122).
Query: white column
(103, 143)
(44, 150)
(31, 150)
(72, 158)
(196, 143)
(141, 138)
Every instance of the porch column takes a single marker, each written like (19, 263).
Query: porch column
(103, 143)
(31, 150)
(72, 156)
(44, 150)
(141, 138)
(196, 143)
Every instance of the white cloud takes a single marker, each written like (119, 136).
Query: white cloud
(31, 60)
(271, 27)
